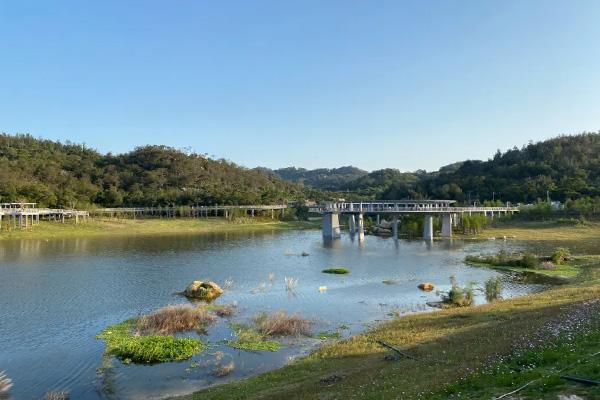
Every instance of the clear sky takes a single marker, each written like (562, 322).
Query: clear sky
(320, 83)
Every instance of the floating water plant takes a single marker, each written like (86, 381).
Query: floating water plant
(336, 271)
(123, 343)
(247, 338)
(329, 335)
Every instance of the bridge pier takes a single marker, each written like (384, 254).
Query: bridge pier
(428, 227)
(395, 227)
(331, 225)
(351, 224)
(361, 227)
(446, 225)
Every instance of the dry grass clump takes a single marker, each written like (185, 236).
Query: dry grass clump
(290, 283)
(59, 395)
(5, 383)
(224, 370)
(282, 324)
(173, 319)
(223, 310)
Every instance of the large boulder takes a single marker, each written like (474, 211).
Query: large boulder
(203, 290)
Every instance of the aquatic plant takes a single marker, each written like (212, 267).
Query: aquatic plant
(391, 281)
(173, 319)
(336, 271)
(5, 383)
(271, 277)
(57, 395)
(203, 290)
(458, 296)
(247, 338)
(122, 343)
(260, 288)
(329, 335)
(281, 324)
(290, 283)
(223, 370)
(493, 288)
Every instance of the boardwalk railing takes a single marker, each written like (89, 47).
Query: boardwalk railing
(404, 206)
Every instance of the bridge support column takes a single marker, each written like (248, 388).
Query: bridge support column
(395, 228)
(378, 220)
(428, 227)
(351, 224)
(361, 227)
(446, 225)
(331, 225)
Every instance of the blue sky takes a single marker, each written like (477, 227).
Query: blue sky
(374, 84)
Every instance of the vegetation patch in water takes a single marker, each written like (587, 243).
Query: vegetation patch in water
(329, 335)
(336, 271)
(122, 342)
(250, 339)
(559, 264)
(458, 296)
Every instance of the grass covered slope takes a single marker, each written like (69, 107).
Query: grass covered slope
(111, 227)
(449, 345)
(540, 230)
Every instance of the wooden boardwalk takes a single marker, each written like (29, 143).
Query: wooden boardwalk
(24, 215)
(190, 211)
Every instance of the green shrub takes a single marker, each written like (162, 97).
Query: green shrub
(529, 260)
(493, 288)
(560, 255)
(458, 296)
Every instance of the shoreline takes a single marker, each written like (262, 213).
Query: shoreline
(148, 227)
(466, 339)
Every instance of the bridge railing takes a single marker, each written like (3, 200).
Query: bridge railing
(379, 207)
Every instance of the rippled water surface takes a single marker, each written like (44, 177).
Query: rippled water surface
(56, 295)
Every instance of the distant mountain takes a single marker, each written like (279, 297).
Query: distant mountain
(335, 179)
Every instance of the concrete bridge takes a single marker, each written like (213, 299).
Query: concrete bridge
(394, 208)
(23, 215)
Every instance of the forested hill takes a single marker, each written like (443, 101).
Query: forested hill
(322, 178)
(567, 167)
(56, 174)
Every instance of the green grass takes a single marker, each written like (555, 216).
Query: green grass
(544, 230)
(565, 271)
(121, 343)
(543, 365)
(249, 339)
(339, 271)
(146, 227)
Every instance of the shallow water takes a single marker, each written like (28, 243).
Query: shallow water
(57, 295)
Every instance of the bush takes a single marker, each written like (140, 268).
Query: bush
(560, 255)
(493, 288)
(529, 261)
(458, 296)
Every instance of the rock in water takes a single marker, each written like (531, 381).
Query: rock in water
(426, 286)
(206, 291)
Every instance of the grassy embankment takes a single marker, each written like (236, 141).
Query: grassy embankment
(146, 227)
(540, 230)
(471, 352)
